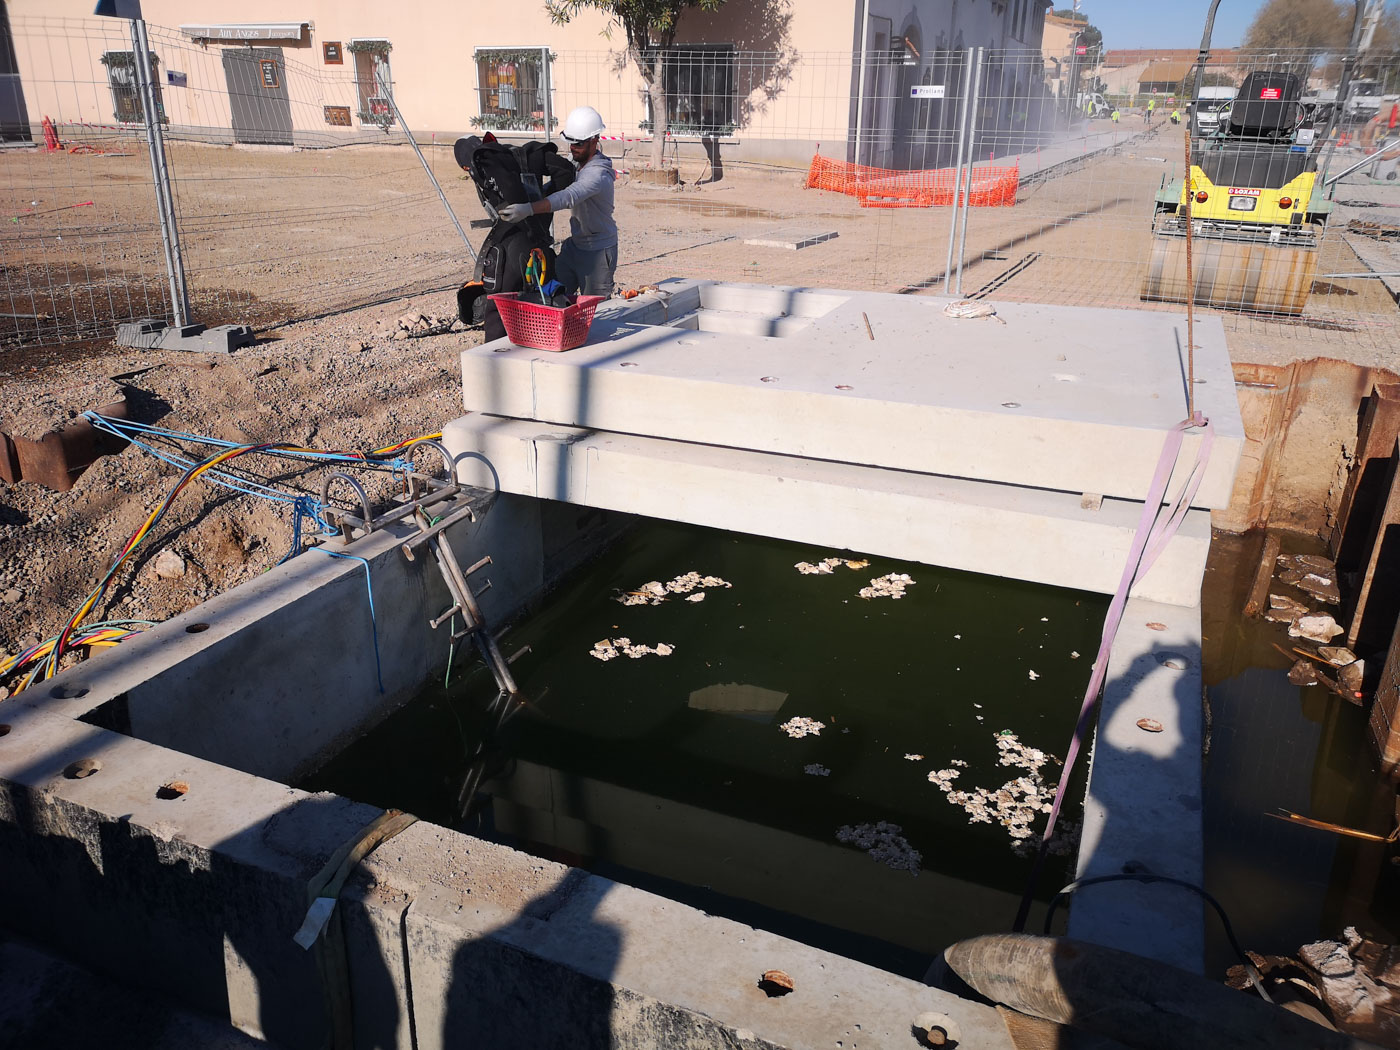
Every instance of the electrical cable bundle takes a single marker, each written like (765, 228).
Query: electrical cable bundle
(43, 659)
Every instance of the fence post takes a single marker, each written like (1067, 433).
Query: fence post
(957, 170)
(971, 160)
(389, 94)
(160, 174)
(547, 102)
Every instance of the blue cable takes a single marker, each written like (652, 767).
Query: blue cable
(369, 589)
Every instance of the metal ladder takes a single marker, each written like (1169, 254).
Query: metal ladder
(464, 601)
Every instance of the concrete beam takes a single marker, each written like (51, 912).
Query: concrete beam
(1029, 534)
(508, 950)
(1062, 398)
(1143, 809)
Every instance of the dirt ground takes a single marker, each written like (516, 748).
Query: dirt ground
(272, 235)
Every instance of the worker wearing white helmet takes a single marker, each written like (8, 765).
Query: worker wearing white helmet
(588, 258)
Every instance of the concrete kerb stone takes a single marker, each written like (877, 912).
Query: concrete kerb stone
(508, 950)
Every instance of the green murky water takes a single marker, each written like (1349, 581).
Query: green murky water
(672, 773)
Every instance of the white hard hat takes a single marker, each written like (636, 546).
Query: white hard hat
(582, 124)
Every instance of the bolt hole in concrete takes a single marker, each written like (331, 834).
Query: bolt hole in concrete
(4, 729)
(768, 379)
(83, 767)
(174, 789)
(673, 772)
(1276, 745)
(196, 628)
(1011, 404)
(628, 364)
(68, 692)
(843, 386)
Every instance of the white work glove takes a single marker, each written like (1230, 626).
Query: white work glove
(516, 212)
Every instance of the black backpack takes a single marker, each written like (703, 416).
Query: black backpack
(507, 175)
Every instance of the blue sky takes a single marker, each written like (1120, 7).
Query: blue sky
(1177, 23)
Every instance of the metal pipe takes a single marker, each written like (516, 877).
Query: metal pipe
(957, 171)
(546, 103)
(1204, 55)
(160, 175)
(1362, 162)
(971, 160)
(389, 94)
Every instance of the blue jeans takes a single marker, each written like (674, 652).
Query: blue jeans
(590, 273)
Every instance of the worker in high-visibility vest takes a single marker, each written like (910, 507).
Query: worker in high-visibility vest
(1114, 115)
(1151, 106)
(1176, 116)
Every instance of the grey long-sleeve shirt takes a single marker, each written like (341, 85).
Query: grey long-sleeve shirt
(590, 203)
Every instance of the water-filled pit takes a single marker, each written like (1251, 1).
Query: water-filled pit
(672, 770)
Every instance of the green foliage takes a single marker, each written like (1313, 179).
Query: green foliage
(507, 122)
(1309, 25)
(380, 46)
(647, 23)
(515, 55)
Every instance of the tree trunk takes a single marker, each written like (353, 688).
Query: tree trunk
(656, 88)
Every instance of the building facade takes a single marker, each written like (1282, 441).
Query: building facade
(755, 73)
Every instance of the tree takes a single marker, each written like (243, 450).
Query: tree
(1313, 26)
(1090, 35)
(650, 26)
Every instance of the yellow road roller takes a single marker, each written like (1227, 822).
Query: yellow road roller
(1257, 209)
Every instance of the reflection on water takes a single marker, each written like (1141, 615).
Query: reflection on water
(672, 772)
(1273, 745)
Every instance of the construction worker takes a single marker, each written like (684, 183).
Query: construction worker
(1114, 115)
(1176, 115)
(588, 259)
(1151, 107)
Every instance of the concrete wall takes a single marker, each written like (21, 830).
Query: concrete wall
(278, 674)
(1300, 424)
(441, 940)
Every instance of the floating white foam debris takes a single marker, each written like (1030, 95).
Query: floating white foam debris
(816, 769)
(655, 592)
(801, 726)
(957, 636)
(961, 763)
(699, 596)
(859, 563)
(1073, 655)
(978, 706)
(884, 842)
(1045, 619)
(1034, 676)
(944, 778)
(891, 586)
(913, 758)
(828, 565)
(1016, 804)
(611, 648)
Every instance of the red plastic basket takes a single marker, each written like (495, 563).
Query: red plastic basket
(546, 327)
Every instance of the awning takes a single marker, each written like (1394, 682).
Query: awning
(246, 31)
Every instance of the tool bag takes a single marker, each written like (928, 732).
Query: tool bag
(507, 175)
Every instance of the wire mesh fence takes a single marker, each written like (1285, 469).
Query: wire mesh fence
(295, 188)
(1016, 174)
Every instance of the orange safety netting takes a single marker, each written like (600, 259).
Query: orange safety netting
(885, 188)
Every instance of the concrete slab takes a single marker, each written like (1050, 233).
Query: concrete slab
(1062, 398)
(1029, 534)
(1143, 809)
(509, 950)
(793, 238)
